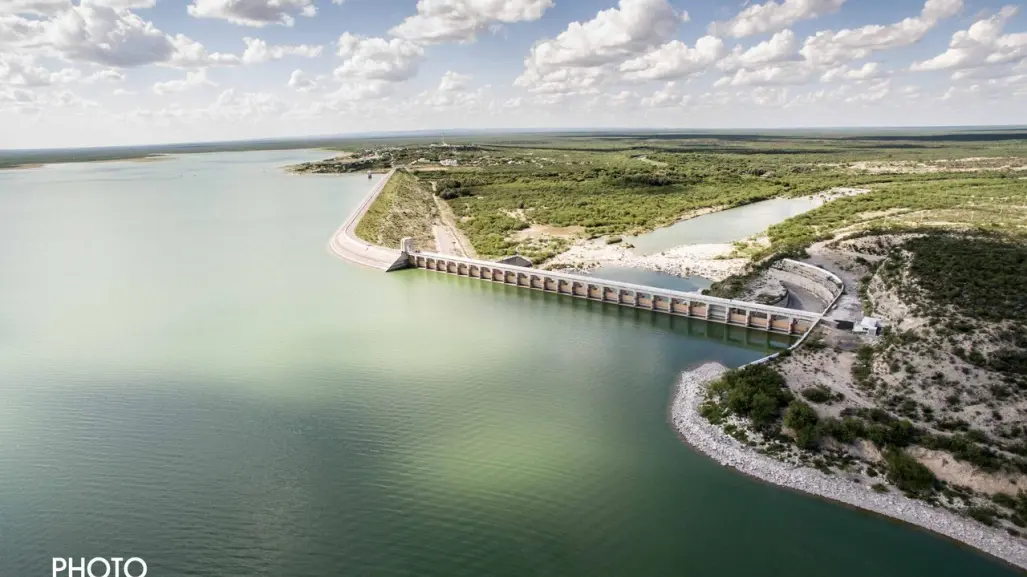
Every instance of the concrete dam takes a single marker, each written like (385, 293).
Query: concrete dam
(346, 245)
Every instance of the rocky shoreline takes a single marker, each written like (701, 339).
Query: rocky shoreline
(718, 445)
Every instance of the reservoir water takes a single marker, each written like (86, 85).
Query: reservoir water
(188, 377)
(722, 227)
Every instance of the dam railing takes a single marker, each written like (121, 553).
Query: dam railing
(686, 304)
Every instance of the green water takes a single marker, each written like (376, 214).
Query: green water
(187, 376)
(721, 227)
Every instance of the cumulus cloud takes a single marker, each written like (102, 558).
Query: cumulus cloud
(565, 80)
(127, 4)
(675, 60)
(102, 35)
(254, 13)
(462, 20)
(982, 45)
(666, 97)
(301, 82)
(787, 73)
(865, 72)
(614, 34)
(16, 70)
(392, 60)
(829, 47)
(188, 53)
(781, 47)
(35, 7)
(772, 16)
(15, 30)
(193, 79)
(93, 32)
(452, 82)
(258, 51)
(361, 90)
(231, 105)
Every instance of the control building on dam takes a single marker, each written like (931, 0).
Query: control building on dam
(691, 305)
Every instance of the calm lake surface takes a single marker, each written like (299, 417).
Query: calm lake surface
(722, 227)
(187, 376)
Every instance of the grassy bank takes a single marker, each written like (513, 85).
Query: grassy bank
(403, 209)
(524, 193)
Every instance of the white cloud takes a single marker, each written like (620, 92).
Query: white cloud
(675, 60)
(254, 13)
(247, 106)
(867, 71)
(93, 33)
(300, 82)
(258, 51)
(35, 7)
(189, 53)
(828, 47)
(392, 60)
(772, 16)
(126, 4)
(666, 97)
(452, 82)
(632, 28)
(105, 75)
(16, 70)
(193, 79)
(361, 90)
(96, 33)
(781, 74)
(15, 30)
(123, 92)
(781, 47)
(982, 45)
(462, 20)
(566, 80)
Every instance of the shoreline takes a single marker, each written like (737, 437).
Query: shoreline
(712, 441)
(705, 260)
(712, 261)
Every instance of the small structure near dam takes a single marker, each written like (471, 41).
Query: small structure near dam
(346, 245)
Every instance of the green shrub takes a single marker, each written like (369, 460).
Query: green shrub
(909, 475)
(756, 392)
(803, 420)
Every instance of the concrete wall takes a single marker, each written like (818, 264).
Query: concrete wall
(821, 283)
(694, 305)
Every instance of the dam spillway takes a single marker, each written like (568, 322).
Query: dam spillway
(691, 305)
(348, 246)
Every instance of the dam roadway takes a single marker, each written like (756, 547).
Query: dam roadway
(346, 245)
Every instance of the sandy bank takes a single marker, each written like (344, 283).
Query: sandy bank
(705, 260)
(714, 442)
(709, 261)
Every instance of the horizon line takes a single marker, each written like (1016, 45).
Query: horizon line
(531, 130)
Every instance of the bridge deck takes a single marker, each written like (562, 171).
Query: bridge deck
(732, 312)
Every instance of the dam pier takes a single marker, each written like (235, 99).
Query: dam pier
(346, 245)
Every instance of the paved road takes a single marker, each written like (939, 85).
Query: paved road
(348, 246)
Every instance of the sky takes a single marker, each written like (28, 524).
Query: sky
(122, 72)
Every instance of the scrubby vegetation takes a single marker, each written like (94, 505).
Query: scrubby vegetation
(616, 184)
(403, 209)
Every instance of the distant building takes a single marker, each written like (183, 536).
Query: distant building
(516, 260)
(448, 162)
(868, 325)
